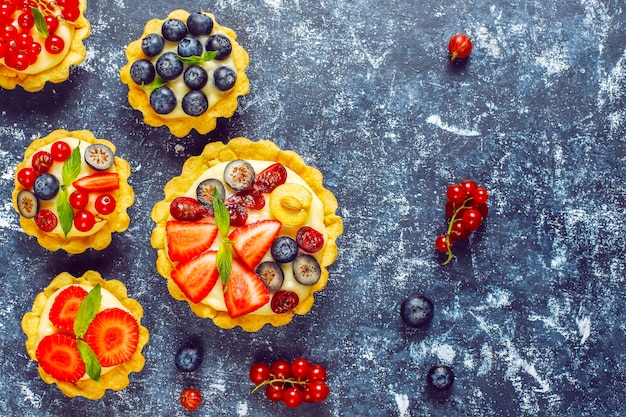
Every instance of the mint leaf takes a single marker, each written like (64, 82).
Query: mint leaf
(40, 22)
(66, 212)
(197, 59)
(71, 167)
(224, 260)
(158, 82)
(221, 213)
(92, 366)
(87, 311)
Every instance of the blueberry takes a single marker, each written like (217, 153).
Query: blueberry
(284, 249)
(189, 357)
(163, 100)
(206, 189)
(306, 270)
(46, 186)
(224, 78)
(168, 66)
(190, 46)
(142, 72)
(440, 377)
(195, 77)
(219, 43)
(270, 273)
(239, 174)
(417, 310)
(199, 24)
(152, 44)
(173, 30)
(195, 103)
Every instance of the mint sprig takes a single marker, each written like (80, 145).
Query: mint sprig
(224, 259)
(40, 22)
(158, 82)
(88, 309)
(71, 170)
(66, 212)
(92, 365)
(197, 59)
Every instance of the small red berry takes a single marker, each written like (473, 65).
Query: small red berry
(459, 47)
(105, 204)
(84, 221)
(190, 398)
(259, 373)
(318, 391)
(54, 44)
(292, 397)
(26, 177)
(442, 243)
(60, 151)
(79, 199)
(480, 195)
(300, 368)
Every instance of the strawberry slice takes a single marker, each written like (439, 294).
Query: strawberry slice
(113, 336)
(65, 306)
(244, 292)
(58, 355)
(197, 276)
(252, 241)
(186, 240)
(99, 182)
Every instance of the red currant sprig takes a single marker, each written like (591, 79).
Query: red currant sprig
(293, 383)
(465, 209)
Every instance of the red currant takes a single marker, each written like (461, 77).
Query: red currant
(105, 204)
(33, 51)
(318, 391)
(471, 219)
(54, 44)
(458, 231)
(443, 244)
(71, 13)
(274, 391)
(459, 46)
(300, 368)
(60, 151)
(8, 33)
(17, 59)
(480, 195)
(84, 221)
(469, 186)
(281, 369)
(292, 397)
(26, 177)
(46, 220)
(259, 373)
(52, 22)
(42, 161)
(456, 194)
(317, 373)
(79, 199)
(26, 21)
(190, 398)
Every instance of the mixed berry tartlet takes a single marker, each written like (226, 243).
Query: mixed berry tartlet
(185, 72)
(245, 234)
(72, 191)
(40, 40)
(85, 333)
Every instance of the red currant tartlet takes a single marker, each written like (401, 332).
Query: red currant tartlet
(245, 234)
(185, 72)
(72, 191)
(86, 335)
(40, 40)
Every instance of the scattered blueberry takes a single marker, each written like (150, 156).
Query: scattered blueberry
(152, 44)
(270, 273)
(189, 356)
(168, 66)
(284, 249)
(195, 103)
(195, 77)
(440, 377)
(417, 310)
(219, 43)
(163, 100)
(306, 270)
(190, 46)
(224, 78)
(199, 24)
(46, 186)
(174, 29)
(142, 72)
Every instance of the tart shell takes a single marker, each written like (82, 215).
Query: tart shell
(9, 78)
(117, 378)
(181, 126)
(118, 221)
(242, 148)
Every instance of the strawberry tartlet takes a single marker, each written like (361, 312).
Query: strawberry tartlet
(245, 234)
(72, 191)
(85, 333)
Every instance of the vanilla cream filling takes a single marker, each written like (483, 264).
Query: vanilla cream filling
(57, 170)
(46, 327)
(178, 85)
(215, 299)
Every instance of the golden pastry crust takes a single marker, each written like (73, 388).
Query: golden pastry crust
(181, 126)
(242, 148)
(117, 378)
(9, 78)
(118, 221)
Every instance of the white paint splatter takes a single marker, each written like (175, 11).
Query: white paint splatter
(445, 353)
(486, 355)
(242, 409)
(499, 298)
(402, 400)
(584, 328)
(553, 60)
(30, 396)
(436, 120)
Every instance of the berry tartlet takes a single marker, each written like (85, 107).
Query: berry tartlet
(72, 191)
(185, 72)
(85, 333)
(40, 40)
(245, 234)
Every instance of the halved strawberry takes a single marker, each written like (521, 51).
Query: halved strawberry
(253, 240)
(188, 239)
(197, 276)
(99, 182)
(65, 307)
(58, 355)
(244, 292)
(113, 336)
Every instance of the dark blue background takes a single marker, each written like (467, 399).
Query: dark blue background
(530, 315)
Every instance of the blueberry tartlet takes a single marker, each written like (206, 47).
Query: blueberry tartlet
(85, 334)
(185, 72)
(245, 234)
(40, 40)
(72, 192)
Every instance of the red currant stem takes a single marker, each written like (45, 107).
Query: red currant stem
(453, 219)
(283, 380)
